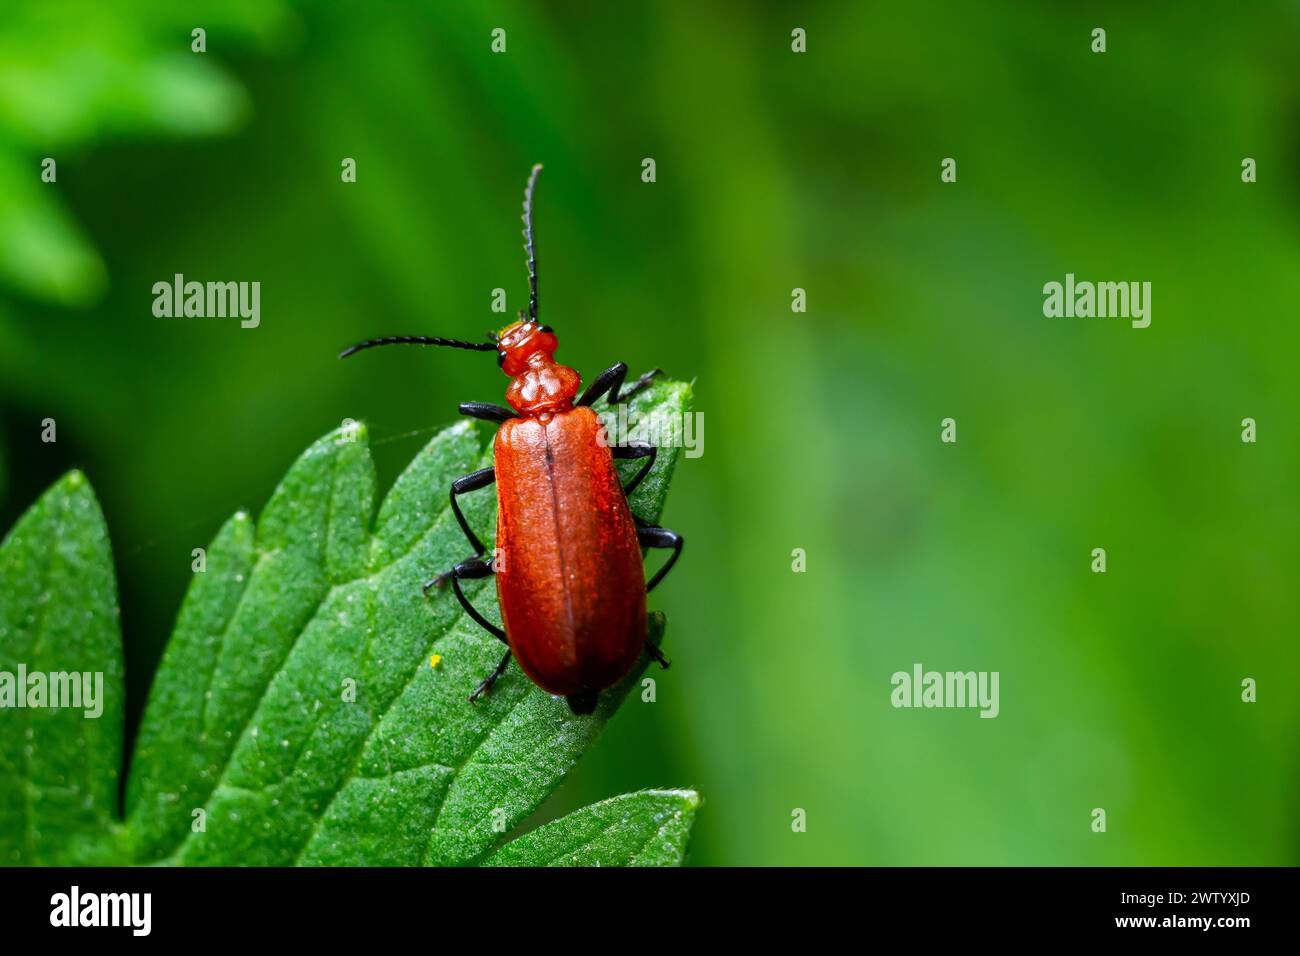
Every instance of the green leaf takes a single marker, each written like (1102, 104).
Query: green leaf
(59, 767)
(649, 828)
(297, 714)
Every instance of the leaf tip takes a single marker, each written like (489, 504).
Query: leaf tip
(689, 799)
(352, 431)
(74, 479)
(73, 486)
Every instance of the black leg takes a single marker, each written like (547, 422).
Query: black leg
(486, 411)
(469, 570)
(465, 483)
(636, 450)
(491, 679)
(656, 537)
(611, 381)
(657, 656)
(638, 386)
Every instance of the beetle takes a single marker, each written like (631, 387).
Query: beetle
(570, 580)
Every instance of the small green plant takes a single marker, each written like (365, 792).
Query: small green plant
(311, 705)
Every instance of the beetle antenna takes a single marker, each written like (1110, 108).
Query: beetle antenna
(530, 247)
(418, 340)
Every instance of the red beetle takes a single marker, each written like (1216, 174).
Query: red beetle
(570, 583)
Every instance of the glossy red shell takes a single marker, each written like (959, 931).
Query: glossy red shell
(571, 583)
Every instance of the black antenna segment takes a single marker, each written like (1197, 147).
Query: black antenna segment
(418, 340)
(530, 247)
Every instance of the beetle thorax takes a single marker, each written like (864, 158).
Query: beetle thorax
(545, 386)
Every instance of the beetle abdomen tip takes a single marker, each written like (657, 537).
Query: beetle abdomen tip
(583, 703)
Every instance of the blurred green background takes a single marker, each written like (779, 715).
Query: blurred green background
(775, 170)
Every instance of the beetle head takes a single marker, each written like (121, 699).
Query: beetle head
(524, 344)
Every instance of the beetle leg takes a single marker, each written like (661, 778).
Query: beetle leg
(491, 679)
(471, 482)
(612, 377)
(657, 656)
(486, 411)
(465, 483)
(611, 381)
(636, 450)
(469, 570)
(653, 536)
(637, 386)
